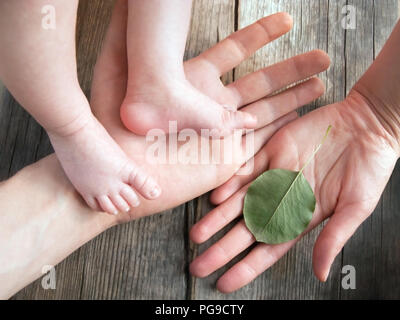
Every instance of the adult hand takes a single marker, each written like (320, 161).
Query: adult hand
(204, 72)
(348, 176)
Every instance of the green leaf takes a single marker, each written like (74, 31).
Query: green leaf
(279, 204)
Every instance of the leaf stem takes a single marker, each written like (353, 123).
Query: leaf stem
(316, 149)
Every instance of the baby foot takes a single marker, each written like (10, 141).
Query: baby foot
(99, 169)
(153, 105)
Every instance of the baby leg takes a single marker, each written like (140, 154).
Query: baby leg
(158, 91)
(38, 66)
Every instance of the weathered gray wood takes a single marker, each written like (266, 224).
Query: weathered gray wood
(389, 272)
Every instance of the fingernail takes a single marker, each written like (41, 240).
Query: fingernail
(155, 193)
(127, 209)
(115, 213)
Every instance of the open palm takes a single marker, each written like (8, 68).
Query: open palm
(348, 176)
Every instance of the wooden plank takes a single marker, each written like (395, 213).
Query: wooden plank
(373, 250)
(387, 275)
(389, 272)
(20, 136)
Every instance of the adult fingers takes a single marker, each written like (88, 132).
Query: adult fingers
(340, 227)
(234, 242)
(261, 136)
(238, 181)
(271, 108)
(218, 218)
(276, 106)
(261, 83)
(256, 262)
(262, 257)
(237, 47)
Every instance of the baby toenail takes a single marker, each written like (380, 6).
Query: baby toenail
(155, 192)
(136, 204)
(252, 118)
(228, 107)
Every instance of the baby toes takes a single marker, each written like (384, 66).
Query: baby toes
(107, 205)
(92, 203)
(144, 184)
(130, 196)
(120, 203)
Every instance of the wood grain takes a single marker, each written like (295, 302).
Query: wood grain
(148, 259)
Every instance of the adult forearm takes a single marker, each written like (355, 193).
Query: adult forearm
(380, 85)
(42, 221)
